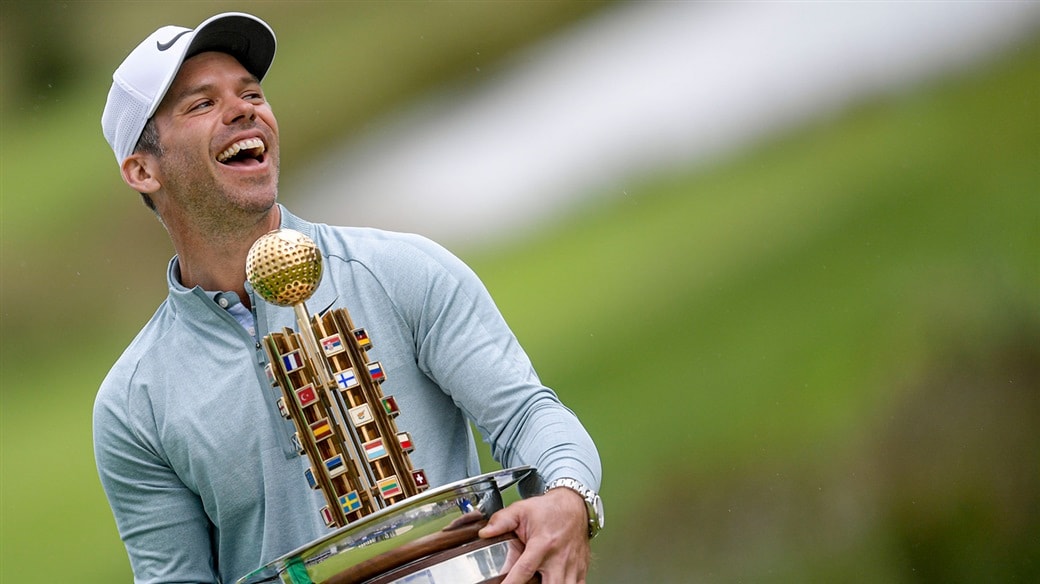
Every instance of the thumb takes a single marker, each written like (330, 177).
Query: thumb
(503, 521)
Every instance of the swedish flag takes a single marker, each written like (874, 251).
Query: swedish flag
(350, 502)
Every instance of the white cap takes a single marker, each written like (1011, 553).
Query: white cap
(141, 81)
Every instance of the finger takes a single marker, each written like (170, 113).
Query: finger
(526, 566)
(502, 521)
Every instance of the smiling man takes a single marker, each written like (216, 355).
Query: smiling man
(215, 177)
(200, 469)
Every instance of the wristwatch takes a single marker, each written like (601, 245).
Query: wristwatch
(593, 503)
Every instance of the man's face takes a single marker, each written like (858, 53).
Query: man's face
(220, 143)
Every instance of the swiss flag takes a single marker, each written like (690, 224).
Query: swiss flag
(420, 478)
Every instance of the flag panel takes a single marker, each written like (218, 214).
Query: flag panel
(321, 429)
(389, 487)
(306, 395)
(332, 344)
(346, 379)
(326, 516)
(374, 449)
(419, 476)
(360, 415)
(361, 336)
(335, 465)
(375, 368)
(292, 361)
(350, 502)
(405, 439)
(390, 406)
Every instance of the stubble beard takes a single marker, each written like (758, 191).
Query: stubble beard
(221, 212)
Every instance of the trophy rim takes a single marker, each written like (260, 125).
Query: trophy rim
(501, 479)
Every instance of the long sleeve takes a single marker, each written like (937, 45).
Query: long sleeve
(161, 521)
(469, 350)
(460, 342)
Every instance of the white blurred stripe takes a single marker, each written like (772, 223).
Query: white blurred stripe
(639, 88)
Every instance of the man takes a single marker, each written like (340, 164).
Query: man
(199, 468)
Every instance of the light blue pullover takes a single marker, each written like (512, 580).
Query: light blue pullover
(196, 462)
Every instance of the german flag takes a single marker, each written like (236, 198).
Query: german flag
(361, 336)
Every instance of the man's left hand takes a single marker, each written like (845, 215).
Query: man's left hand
(554, 529)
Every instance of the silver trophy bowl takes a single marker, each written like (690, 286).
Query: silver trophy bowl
(429, 538)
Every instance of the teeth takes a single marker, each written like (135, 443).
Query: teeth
(249, 144)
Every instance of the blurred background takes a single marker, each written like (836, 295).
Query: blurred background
(783, 259)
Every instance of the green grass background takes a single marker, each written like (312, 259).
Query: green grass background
(818, 360)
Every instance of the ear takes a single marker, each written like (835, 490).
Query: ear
(140, 173)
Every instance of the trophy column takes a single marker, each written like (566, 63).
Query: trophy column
(389, 529)
(331, 390)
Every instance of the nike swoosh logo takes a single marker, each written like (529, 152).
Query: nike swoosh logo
(164, 46)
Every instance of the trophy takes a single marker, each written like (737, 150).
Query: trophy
(388, 525)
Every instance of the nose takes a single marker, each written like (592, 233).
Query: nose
(240, 109)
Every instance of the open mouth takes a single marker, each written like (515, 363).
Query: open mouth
(245, 151)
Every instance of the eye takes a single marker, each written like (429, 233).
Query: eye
(199, 105)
